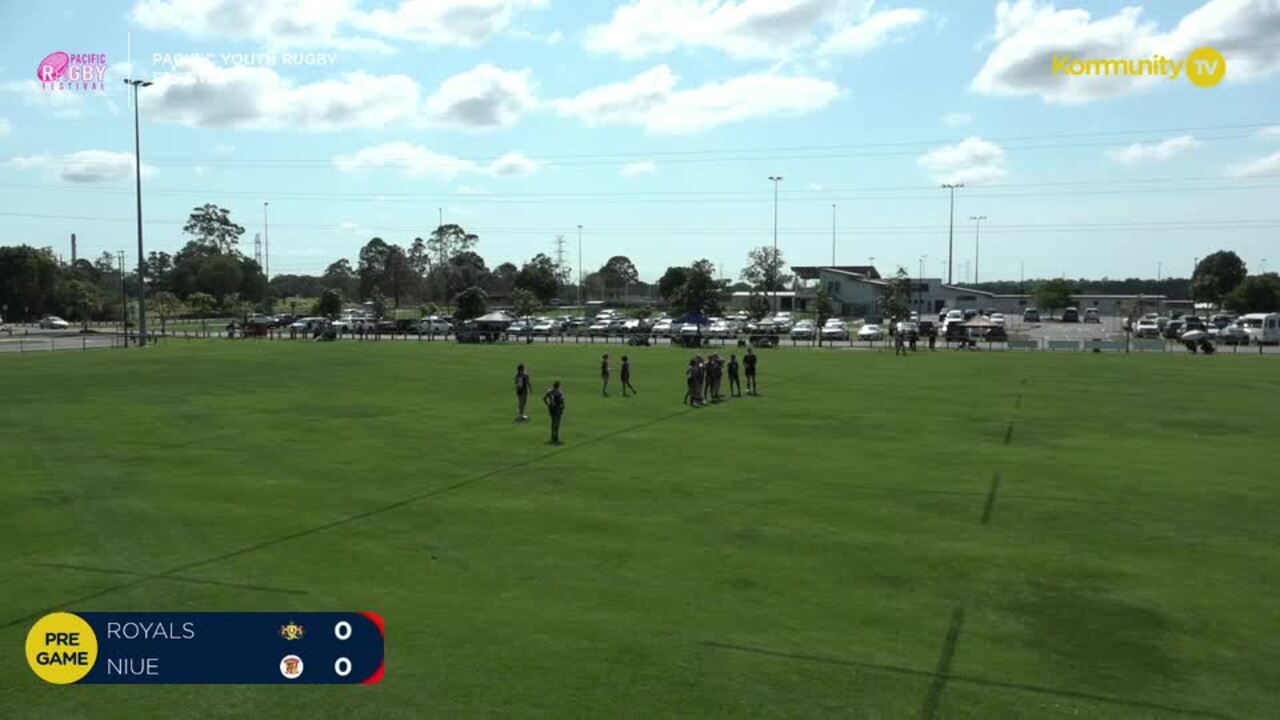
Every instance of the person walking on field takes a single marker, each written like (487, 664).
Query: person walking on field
(735, 386)
(749, 362)
(626, 377)
(523, 387)
(699, 379)
(688, 382)
(554, 400)
(604, 375)
(899, 345)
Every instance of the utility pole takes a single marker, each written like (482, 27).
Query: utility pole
(137, 174)
(579, 265)
(977, 223)
(124, 299)
(266, 242)
(951, 228)
(73, 248)
(776, 265)
(257, 248)
(440, 217)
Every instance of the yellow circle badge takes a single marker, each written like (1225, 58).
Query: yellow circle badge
(1206, 67)
(61, 648)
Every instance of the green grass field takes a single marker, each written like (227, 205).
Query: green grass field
(837, 547)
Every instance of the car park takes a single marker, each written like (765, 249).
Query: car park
(1071, 315)
(53, 322)
(870, 332)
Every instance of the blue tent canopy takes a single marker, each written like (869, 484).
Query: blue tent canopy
(694, 318)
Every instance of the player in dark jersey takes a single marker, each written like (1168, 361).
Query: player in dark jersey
(749, 364)
(626, 377)
(735, 385)
(688, 382)
(554, 400)
(604, 375)
(524, 386)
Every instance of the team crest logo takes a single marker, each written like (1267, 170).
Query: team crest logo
(292, 631)
(291, 667)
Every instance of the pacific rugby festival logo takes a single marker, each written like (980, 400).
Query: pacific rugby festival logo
(77, 71)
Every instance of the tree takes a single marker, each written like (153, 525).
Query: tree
(538, 276)
(503, 279)
(896, 300)
(236, 307)
(618, 273)
(764, 270)
(470, 303)
(308, 286)
(465, 270)
(28, 280)
(672, 281)
(379, 302)
(822, 308)
(373, 264)
(329, 304)
(81, 296)
(700, 293)
(1217, 275)
(166, 305)
(757, 305)
(341, 277)
(220, 276)
(212, 227)
(1053, 294)
(202, 304)
(523, 302)
(1258, 293)
(160, 269)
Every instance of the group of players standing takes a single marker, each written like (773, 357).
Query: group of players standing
(703, 379)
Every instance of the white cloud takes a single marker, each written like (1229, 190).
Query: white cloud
(85, 166)
(652, 101)
(457, 23)
(201, 93)
(418, 161)
(643, 167)
(274, 23)
(482, 97)
(1269, 133)
(62, 103)
(747, 29)
(5, 127)
(1029, 34)
(1163, 150)
(957, 119)
(972, 161)
(876, 30)
(1268, 165)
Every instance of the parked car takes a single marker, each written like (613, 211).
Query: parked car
(4, 328)
(970, 314)
(662, 328)
(1031, 315)
(520, 327)
(998, 318)
(1193, 322)
(870, 332)
(1263, 328)
(53, 322)
(835, 329)
(308, 325)
(907, 329)
(1233, 334)
(1146, 328)
(285, 320)
(1091, 315)
(545, 326)
(721, 329)
(1222, 320)
(1173, 329)
(804, 330)
(599, 327)
(434, 325)
(1071, 315)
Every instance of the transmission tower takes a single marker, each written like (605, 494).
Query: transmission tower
(257, 248)
(559, 251)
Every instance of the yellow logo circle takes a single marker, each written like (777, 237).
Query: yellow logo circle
(1206, 67)
(61, 648)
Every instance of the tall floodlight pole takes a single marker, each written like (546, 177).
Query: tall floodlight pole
(266, 241)
(776, 265)
(833, 234)
(137, 175)
(977, 223)
(951, 229)
(579, 265)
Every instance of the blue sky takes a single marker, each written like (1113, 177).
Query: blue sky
(654, 124)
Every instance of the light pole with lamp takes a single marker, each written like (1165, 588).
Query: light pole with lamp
(977, 225)
(137, 174)
(774, 279)
(951, 228)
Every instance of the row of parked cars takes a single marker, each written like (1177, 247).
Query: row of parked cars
(1226, 328)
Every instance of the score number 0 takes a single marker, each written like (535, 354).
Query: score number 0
(342, 631)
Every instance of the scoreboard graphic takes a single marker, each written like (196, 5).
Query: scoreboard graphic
(329, 648)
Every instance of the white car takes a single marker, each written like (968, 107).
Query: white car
(998, 318)
(434, 325)
(720, 329)
(307, 324)
(1146, 328)
(907, 328)
(835, 330)
(662, 328)
(53, 322)
(870, 332)
(688, 329)
(544, 327)
(599, 327)
(804, 330)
